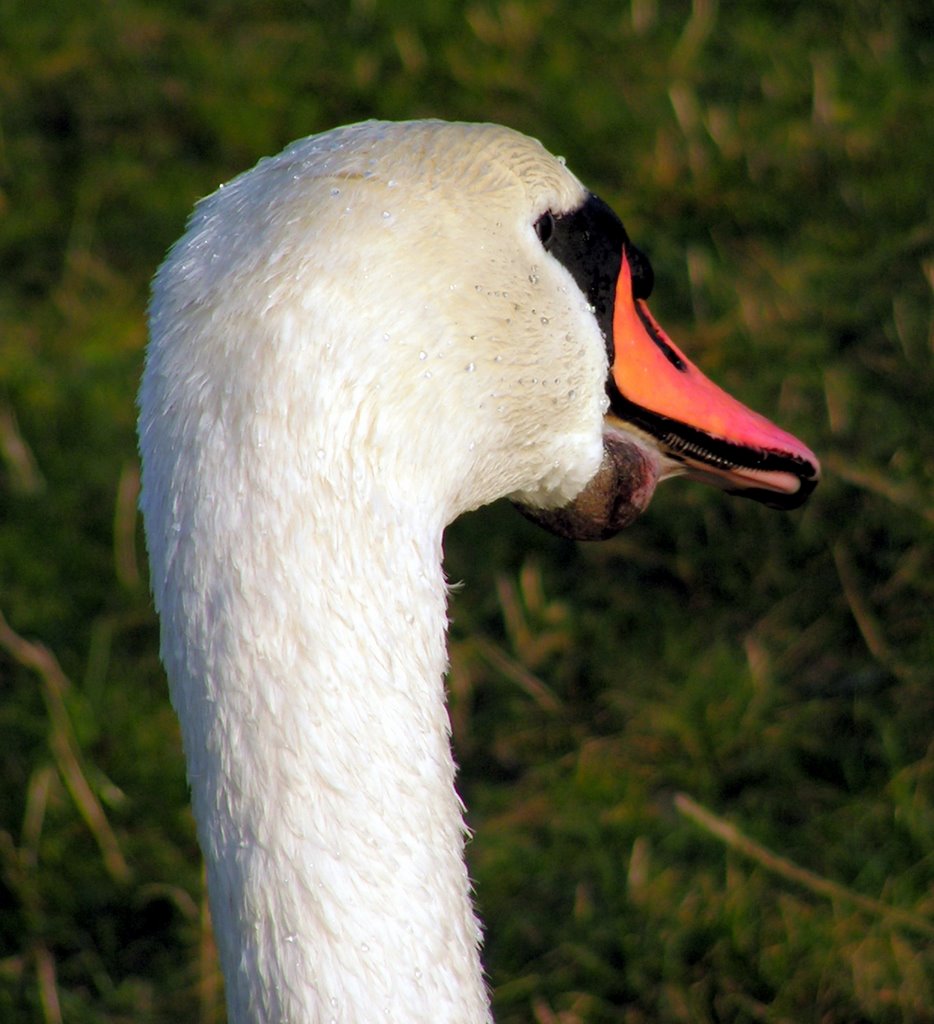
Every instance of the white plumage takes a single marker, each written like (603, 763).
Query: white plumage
(353, 343)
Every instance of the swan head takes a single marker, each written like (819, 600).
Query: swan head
(440, 315)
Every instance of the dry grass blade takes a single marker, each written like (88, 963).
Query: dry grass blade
(125, 561)
(880, 484)
(64, 745)
(37, 799)
(869, 627)
(792, 872)
(48, 986)
(868, 624)
(25, 477)
(543, 696)
(19, 876)
(756, 1010)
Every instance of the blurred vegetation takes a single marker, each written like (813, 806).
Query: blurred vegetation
(698, 758)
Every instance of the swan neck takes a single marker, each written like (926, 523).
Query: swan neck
(318, 746)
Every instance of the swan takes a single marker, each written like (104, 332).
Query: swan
(356, 341)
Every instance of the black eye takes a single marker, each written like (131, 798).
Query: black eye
(545, 228)
(643, 277)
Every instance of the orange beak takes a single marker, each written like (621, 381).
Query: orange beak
(654, 387)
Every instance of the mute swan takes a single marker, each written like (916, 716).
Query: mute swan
(356, 341)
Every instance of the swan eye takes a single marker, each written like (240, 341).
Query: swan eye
(643, 277)
(545, 229)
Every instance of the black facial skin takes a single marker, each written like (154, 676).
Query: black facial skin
(590, 242)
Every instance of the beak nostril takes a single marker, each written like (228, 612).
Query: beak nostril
(658, 335)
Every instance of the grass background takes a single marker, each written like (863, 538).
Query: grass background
(698, 758)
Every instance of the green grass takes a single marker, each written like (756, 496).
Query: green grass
(776, 162)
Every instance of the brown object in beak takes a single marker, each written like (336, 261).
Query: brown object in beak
(617, 495)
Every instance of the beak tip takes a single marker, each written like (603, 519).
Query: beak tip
(782, 498)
